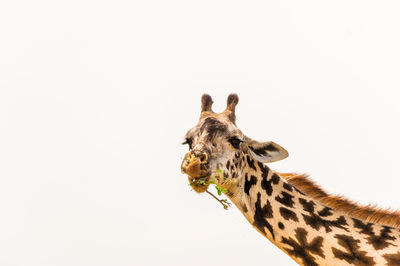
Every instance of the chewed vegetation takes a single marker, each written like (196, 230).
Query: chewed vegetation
(201, 181)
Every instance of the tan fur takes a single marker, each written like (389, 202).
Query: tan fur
(367, 213)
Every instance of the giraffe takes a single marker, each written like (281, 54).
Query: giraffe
(308, 224)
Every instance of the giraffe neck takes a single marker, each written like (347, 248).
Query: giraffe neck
(309, 232)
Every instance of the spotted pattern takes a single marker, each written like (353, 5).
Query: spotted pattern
(392, 259)
(237, 162)
(261, 215)
(267, 184)
(294, 208)
(250, 162)
(285, 199)
(316, 221)
(281, 226)
(288, 214)
(288, 187)
(244, 208)
(304, 249)
(325, 212)
(380, 241)
(353, 254)
(308, 205)
(248, 183)
(212, 126)
(262, 166)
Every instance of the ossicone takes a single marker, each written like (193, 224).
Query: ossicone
(206, 103)
(231, 103)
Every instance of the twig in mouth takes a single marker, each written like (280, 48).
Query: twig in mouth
(224, 202)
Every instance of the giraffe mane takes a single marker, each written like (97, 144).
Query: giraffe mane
(368, 213)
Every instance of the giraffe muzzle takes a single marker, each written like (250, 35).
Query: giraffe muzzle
(195, 164)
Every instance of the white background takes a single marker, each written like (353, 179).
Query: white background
(96, 96)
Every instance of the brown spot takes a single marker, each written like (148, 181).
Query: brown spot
(267, 184)
(261, 215)
(288, 214)
(285, 199)
(353, 254)
(380, 241)
(248, 183)
(325, 212)
(229, 193)
(317, 222)
(301, 247)
(281, 225)
(392, 259)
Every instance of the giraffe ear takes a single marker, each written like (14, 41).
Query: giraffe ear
(266, 152)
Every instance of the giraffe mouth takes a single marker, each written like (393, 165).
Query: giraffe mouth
(199, 184)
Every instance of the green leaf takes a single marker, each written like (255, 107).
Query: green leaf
(201, 182)
(219, 170)
(219, 190)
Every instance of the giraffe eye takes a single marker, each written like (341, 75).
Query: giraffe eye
(235, 142)
(189, 142)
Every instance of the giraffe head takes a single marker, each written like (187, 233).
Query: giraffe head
(218, 149)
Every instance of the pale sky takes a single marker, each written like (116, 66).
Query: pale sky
(96, 96)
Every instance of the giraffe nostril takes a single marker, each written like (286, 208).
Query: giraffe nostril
(203, 158)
